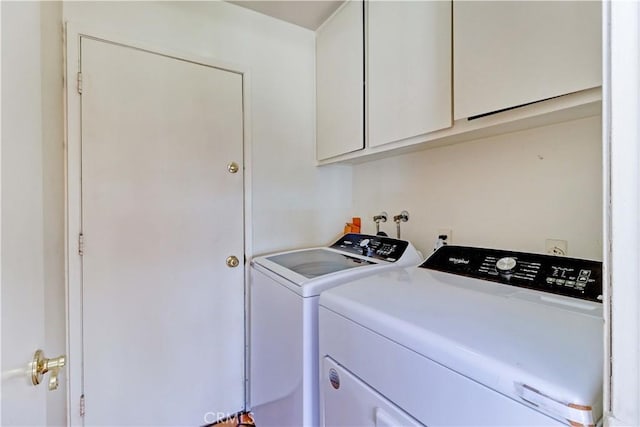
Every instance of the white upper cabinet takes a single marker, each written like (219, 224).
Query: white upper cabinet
(340, 82)
(408, 69)
(510, 53)
(431, 65)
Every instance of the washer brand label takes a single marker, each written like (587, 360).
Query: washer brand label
(334, 378)
(457, 261)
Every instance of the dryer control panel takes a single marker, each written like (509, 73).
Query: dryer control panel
(378, 247)
(570, 277)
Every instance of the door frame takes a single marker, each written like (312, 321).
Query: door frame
(73, 213)
(621, 177)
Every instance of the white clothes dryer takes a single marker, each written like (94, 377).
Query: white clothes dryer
(285, 287)
(472, 337)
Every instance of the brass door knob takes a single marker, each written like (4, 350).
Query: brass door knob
(233, 261)
(233, 167)
(41, 365)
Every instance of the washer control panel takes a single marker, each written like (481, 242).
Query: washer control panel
(378, 247)
(570, 277)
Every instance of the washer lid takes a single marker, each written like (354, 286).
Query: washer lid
(311, 271)
(308, 272)
(317, 262)
(542, 350)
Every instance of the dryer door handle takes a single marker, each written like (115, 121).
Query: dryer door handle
(385, 419)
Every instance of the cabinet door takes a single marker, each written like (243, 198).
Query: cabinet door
(509, 53)
(339, 83)
(409, 69)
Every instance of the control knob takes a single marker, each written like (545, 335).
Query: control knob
(506, 265)
(366, 249)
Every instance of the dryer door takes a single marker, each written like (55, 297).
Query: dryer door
(347, 401)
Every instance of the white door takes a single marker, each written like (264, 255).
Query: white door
(27, 302)
(163, 314)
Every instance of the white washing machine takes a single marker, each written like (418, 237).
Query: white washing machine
(472, 337)
(285, 287)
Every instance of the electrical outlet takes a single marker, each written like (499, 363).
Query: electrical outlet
(445, 232)
(556, 247)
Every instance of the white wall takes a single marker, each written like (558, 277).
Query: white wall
(294, 203)
(32, 207)
(511, 191)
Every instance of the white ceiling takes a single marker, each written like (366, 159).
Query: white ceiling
(305, 13)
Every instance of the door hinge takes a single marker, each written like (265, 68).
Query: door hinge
(80, 82)
(82, 410)
(80, 244)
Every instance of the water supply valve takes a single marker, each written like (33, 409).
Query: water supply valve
(381, 217)
(402, 217)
